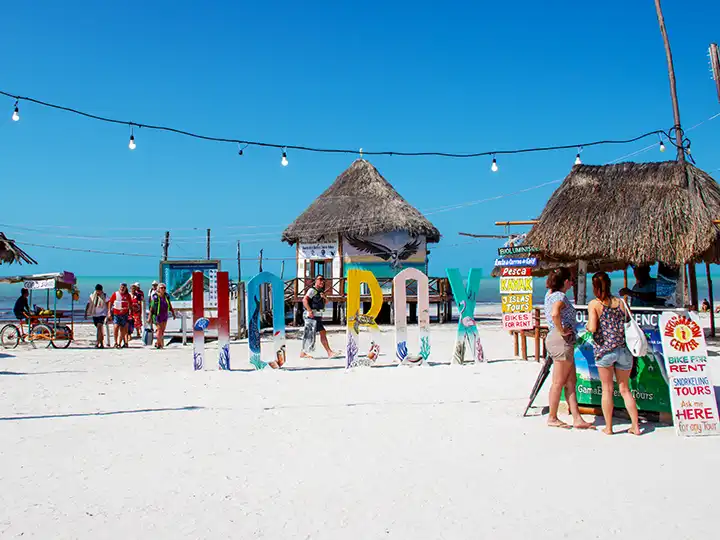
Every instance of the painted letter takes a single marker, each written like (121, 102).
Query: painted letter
(253, 318)
(202, 323)
(465, 299)
(400, 307)
(355, 319)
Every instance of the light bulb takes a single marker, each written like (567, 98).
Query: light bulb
(132, 144)
(284, 160)
(578, 161)
(16, 114)
(494, 166)
(662, 146)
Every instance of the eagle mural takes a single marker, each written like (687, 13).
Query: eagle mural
(386, 253)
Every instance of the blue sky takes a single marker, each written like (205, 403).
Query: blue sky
(461, 77)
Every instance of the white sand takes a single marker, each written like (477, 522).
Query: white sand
(134, 444)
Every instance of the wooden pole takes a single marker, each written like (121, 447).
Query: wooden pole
(166, 245)
(208, 244)
(526, 222)
(582, 282)
(282, 269)
(260, 259)
(712, 300)
(715, 63)
(238, 263)
(673, 86)
(692, 277)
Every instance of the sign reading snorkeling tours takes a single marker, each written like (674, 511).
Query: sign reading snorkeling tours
(692, 394)
(650, 386)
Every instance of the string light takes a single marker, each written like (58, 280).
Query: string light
(284, 161)
(240, 149)
(285, 147)
(578, 161)
(131, 144)
(494, 166)
(662, 144)
(16, 113)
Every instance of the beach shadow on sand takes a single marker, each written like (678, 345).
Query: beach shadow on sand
(40, 372)
(107, 413)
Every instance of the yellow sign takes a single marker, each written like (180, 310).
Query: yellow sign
(516, 285)
(516, 303)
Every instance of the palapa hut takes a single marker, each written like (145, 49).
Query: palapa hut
(11, 253)
(360, 221)
(632, 213)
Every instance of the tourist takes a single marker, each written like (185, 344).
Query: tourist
(119, 303)
(97, 308)
(22, 307)
(644, 292)
(135, 321)
(705, 307)
(606, 320)
(314, 304)
(560, 345)
(160, 307)
(153, 290)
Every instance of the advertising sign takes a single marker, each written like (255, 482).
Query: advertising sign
(517, 321)
(177, 275)
(527, 261)
(650, 387)
(516, 303)
(39, 284)
(516, 250)
(513, 285)
(517, 272)
(692, 394)
(317, 251)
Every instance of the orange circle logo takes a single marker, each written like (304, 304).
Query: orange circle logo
(684, 333)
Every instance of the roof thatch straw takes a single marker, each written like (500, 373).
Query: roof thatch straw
(10, 253)
(362, 203)
(635, 213)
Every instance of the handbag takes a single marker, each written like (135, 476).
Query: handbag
(634, 336)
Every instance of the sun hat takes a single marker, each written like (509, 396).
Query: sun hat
(154, 282)
(136, 284)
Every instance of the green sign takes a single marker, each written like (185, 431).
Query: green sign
(650, 387)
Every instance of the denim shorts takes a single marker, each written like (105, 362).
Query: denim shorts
(120, 319)
(621, 358)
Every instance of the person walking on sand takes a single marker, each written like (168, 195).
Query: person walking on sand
(560, 345)
(153, 290)
(120, 311)
(97, 308)
(606, 320)
(314, 304)
(160, 307)
(135, 321)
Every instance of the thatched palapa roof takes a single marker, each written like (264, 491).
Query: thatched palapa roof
(10, 253)
(362, 203)
(635, 213)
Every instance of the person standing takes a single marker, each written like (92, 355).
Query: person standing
(120, 311)
(560, 345)
(314, 304)
(135, 320)
(153, 290)
(160, 308)
(644, 292)
(606, 320)
(97, 308)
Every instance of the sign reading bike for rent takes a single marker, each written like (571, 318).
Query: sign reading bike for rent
(692, 394)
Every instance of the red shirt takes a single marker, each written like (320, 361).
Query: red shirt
(120, 303)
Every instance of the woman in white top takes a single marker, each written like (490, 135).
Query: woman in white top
(97, 309)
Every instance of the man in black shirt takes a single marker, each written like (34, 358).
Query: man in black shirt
(22, 308)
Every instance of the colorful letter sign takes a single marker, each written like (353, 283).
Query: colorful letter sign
(221, 322)
(253, 318)
(423, 306)
(465, 299)
(355, 319)
(692, 394)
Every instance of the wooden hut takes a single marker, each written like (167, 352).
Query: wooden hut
(11, 253)
(632, 213)
(361, 222)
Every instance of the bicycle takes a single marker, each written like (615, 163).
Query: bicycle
(12, 334)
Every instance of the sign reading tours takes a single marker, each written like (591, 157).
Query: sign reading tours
(692, 395)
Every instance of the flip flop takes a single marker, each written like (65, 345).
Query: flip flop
(561, 425)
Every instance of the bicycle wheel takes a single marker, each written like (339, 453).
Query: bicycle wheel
(40, 336)
(10, 336)
(63, 337)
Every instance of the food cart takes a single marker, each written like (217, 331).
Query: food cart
(46, 327)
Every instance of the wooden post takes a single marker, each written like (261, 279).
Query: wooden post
(692, 277)
(711, 299)
(282, 269)
(208, 244)
(238, 263)
(715, 63)
(685, 297)
(673, 86)
(166, 245)
(582, 283)
(260, 259)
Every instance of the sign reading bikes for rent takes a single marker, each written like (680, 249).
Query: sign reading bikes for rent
(692, 395)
